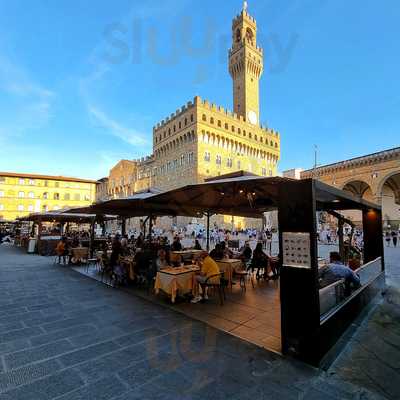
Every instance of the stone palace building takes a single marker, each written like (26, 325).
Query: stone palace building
(201, 139)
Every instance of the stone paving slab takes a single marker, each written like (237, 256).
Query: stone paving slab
(66, 337)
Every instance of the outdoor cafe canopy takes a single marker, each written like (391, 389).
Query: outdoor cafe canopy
(244, 196)
(63, 217)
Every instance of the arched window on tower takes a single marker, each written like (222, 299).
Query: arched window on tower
(238, 35)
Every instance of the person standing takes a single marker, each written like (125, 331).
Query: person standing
(387, 238)
(394, 238)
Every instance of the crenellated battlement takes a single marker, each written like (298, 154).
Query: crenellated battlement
(231, 115)
(244, 14)
(178, 113)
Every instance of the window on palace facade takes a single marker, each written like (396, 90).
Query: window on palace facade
(46, 183)
(174, 128)
(271, 143)
(1, 207)
(218, 160)
(226, 126)
(211, 120)
(255, 137)
(185, 121)
(182, 160)
(249, 135)
(56, 196)
(30, 207)
(2, 179)
(45, 195)
(233, 128)
(191, 118)
(264, 172)
(244, 133)
(57, 184)
(21, 194)
(276, 145)
(31, 182)
(204, 118)
(239, 131)
(229, 163)
(67, 196)
(21, 181)
(77, 196)
(261, 140)
(180, 124)
(191, 158)
(20, 207)
(207, 156)
(219, 123)
(1, 193)
(270, 172)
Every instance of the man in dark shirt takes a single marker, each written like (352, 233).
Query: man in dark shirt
(176, 245)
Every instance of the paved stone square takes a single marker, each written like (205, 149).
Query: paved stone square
(65, 336)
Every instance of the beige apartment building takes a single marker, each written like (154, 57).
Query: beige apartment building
(22, 194)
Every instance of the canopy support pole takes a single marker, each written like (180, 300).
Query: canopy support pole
(91, 244)
(150, 226)
(123, 226)
(341, 221)
(39, 236)
(208, 230)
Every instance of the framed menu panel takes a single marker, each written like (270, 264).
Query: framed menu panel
(296, 250)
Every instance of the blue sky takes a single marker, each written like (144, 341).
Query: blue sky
(82, 83)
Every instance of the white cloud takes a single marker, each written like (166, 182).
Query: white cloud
(31, 101)
(128, 135)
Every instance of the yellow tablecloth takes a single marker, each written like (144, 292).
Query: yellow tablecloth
(175, 280)
(228, 267)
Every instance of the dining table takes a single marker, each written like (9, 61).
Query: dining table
(228, 267)
(176, 281)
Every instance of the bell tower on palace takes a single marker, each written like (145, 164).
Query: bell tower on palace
(246, 67)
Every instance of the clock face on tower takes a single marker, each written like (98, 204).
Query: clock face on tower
(252, 117)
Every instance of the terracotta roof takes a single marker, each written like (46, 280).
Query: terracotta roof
(48, 177)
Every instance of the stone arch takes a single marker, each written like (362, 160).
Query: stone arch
(392, 181)
(359, 189)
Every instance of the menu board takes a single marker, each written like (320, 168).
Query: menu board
(296, 250)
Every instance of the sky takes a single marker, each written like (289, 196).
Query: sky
(83, 82)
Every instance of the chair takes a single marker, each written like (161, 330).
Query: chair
(105, 268)
(91, 261)
(219, 286)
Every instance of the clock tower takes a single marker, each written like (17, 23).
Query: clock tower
(245, 67)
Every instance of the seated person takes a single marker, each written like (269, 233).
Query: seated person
(259, 261)
(176, 244)
(246, 252)
(209, 268)
(197, 245)
(225, 251)
(217, 253)
(161, 261)
(336, 271)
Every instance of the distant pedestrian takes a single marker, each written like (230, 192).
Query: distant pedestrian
(394, 238)
(388, 238)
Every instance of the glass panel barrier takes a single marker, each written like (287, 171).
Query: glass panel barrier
(332, 295)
